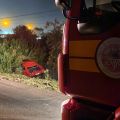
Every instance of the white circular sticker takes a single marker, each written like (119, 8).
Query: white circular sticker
(108, 57)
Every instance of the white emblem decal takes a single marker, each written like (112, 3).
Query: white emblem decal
(108, 57)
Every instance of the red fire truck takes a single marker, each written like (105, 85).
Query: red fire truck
(89, 63)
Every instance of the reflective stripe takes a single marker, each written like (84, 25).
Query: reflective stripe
(83, 48)
(87, 65)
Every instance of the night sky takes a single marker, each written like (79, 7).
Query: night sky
(19, 12)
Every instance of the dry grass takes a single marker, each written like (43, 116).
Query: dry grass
(36, 82)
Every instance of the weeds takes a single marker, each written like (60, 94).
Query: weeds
(36, 82)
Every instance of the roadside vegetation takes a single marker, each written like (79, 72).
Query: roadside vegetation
(35, 82)
(40, 44)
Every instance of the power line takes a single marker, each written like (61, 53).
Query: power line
(29, 14)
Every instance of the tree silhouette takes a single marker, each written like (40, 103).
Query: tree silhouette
(27, 36)
(54, 37)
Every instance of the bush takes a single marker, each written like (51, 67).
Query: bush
(11, 55)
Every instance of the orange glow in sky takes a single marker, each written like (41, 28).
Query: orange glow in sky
(5, 23)
(30, 26)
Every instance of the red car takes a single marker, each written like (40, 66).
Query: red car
(32, 68)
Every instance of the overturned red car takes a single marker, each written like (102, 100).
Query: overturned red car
(32, 69)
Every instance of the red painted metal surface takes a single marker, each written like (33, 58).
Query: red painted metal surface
(61, 74)
(73, 110)
(117, 114)
(32, 68)
(90, 85)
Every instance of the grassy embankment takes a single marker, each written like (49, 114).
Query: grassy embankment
(36, 82)
(12, 53)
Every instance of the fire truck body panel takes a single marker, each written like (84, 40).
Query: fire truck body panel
(80, 73)
(74, 109)
(89, 64)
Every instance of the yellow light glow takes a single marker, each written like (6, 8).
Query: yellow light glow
(30, 26)
(6, 23)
